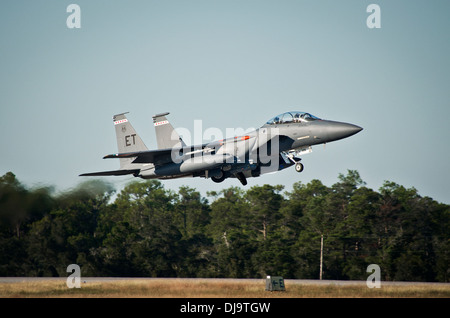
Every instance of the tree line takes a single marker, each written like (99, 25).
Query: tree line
(145, 230)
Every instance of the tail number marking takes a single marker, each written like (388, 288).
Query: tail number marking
(130, 140)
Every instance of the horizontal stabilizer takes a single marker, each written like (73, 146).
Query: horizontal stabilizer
(111, 173)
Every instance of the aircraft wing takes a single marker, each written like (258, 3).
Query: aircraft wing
(110, 173)
(156, 157)
(163, 156)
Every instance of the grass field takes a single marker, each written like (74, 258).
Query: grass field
(181, 288)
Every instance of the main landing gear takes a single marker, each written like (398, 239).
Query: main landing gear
(241, 177)
(219, 178)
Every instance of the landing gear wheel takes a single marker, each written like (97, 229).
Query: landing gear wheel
(299, 167)
(218, 179)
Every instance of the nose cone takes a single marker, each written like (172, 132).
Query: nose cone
(337, 130)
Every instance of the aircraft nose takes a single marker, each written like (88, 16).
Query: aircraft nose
(342, 130)
(352, 129)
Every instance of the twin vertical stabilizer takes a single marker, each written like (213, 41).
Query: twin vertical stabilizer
(166, 136)
(127, 139)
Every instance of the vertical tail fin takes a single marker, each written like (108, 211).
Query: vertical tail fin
(166, 136)
(127, 139)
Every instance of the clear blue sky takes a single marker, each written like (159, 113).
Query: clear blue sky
(232, 64)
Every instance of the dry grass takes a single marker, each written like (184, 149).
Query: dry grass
(181, 288)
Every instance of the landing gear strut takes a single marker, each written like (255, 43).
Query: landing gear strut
(292, 156)
(241, 178)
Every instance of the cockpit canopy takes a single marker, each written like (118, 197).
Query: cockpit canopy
(292, 117)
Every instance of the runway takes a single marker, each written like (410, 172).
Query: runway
(217, 280)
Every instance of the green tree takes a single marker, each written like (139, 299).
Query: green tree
(191, 212)
(264, 202)
(231, 235)
(358, 230)
(13, 204)
(311, 202)
(150, 231)
(19, 208)
(66, 235)
(148, 240)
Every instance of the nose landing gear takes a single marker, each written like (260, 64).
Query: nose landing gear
(299, 167)
(293, 157)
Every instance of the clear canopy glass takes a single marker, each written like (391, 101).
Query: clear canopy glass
(292, 117)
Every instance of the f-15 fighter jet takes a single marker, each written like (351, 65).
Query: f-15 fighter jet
(277, 145)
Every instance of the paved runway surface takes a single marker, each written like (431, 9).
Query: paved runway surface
(288, 281)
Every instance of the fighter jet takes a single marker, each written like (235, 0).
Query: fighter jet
(276, 145)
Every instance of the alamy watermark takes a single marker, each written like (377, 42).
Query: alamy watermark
(374, 279)
(74, 279)
(373, 21)
(73, 21)
(236, 145)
